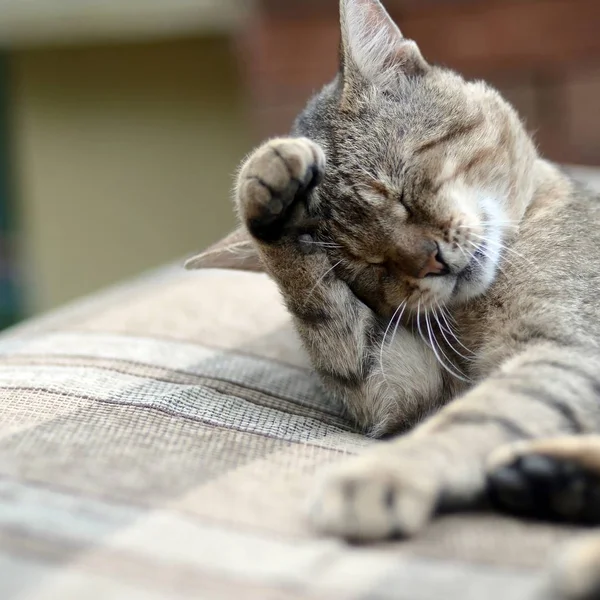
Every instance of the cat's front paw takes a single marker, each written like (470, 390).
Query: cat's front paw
(373, 497)
(273, 179)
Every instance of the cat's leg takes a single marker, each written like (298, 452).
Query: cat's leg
(555, 479)
(274, 190)
(395, 488)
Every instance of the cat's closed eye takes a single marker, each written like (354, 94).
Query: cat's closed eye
(401, 199)
(381, 190)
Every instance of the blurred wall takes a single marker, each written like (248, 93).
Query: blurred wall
(544, 55)
(124, 158)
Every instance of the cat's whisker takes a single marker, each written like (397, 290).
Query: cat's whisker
(472, 256)
(449, 314)
(398, 320)
(476, 248)
(324, 244)
(464, 253)
(431, 343)
(314, 287)
(448, 325)
(503, 259)
(502, 246)
(402, 306)
(498, 221)
(498, 260)
(501, 224)
(488, 256)
(365, 171)
(445, 314)
(444, 330)
(450, 345)
(504, 226)
(435, 341)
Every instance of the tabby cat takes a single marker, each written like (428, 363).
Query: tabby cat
(444, 279)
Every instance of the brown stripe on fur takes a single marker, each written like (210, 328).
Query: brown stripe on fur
(346, 380)
(379, 188)
(313, 316)
(555, 403)
(483, 155)
(470, 417)
(459, 129)
(569, 369)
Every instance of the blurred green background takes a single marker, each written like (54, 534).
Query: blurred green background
(122, 122)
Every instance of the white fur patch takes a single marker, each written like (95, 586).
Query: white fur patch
(495, 219)
(488, 233)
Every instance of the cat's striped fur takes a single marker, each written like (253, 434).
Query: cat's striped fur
(444, 279)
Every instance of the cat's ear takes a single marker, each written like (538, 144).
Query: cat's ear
(235, 251)
(373, 48)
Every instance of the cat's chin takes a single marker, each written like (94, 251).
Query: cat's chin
(472, 283)
(467, 291)
(476, 278)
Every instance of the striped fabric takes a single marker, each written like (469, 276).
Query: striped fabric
(159, 442)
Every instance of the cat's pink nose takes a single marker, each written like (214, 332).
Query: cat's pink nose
(435, 265)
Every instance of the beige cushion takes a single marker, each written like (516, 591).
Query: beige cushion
(159, 441)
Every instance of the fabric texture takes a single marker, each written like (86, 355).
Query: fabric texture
(160, 441)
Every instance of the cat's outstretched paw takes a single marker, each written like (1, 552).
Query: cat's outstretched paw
(375, 496)
(272, 180)
(556, 479)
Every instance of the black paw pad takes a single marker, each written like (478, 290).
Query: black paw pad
(548, 488)
(276, 214)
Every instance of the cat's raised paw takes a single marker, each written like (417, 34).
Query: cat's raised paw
(273, 180)
(557, 480)
(371, 498)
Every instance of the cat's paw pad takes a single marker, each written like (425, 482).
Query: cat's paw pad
(371, 498)
(276, 175)
(557, 480)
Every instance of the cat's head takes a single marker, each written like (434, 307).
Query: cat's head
(426, 172)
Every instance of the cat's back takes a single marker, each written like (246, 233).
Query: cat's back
(557, 246)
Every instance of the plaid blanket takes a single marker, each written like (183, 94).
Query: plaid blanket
(159, 441)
